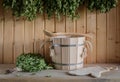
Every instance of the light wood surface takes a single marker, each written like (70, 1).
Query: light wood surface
(29, 36)
(38, 34)
(91, 28)
(49, 25)
(101, 38)
(68, 57)
(118, 34)
(8, 38)
(65, 53)
(18, 38)
(81, 23)
(1, 32)
(58, 76)
(70, 28)
(58, 50)
(22, 36)
(111, 36)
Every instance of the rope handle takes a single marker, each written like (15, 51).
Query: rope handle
(88, 44)
(46, 41)
(88, 47)
(52, 52)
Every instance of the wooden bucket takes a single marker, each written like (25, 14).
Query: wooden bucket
(66, 52)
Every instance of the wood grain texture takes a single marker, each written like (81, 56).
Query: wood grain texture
(18, 38)
(73, 54)
(64, 52)
(8, 38)
(111, 36)
(91, 28)
(58, 51)
(60, 25)
(29, 37)
(118, 34)
(1, 33)
(38, 34)
(24, 36)
(81, 22)
(70, 28)
(81, 26)
(101, 38)
(49, 25)
(58, 76)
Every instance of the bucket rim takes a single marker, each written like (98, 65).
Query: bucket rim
(68, 36)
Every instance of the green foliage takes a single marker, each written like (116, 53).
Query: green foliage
(101, 5)
(62, 7)
(30, 8)
(24, 8)
(31, 62)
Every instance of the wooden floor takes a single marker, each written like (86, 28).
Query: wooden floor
(56, 76)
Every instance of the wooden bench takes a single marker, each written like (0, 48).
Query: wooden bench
(56, 76)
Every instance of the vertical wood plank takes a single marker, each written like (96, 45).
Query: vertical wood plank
(73, 54)
(81, 23)
(70, 25)
(39, 35)
(118, 34)
(1, 33)
(60, 25)
(111, 36)
(91, 28)
(49, 25)
(80, 51)
(8, 37)
(29, 36)
(18, 38)
(101, 38)
(57, 58)
(65, 51)
(70, 28)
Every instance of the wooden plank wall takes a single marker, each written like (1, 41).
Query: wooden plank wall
(18, 36)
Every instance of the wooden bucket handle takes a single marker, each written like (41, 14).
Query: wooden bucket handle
(50, 34)
(88, 44)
